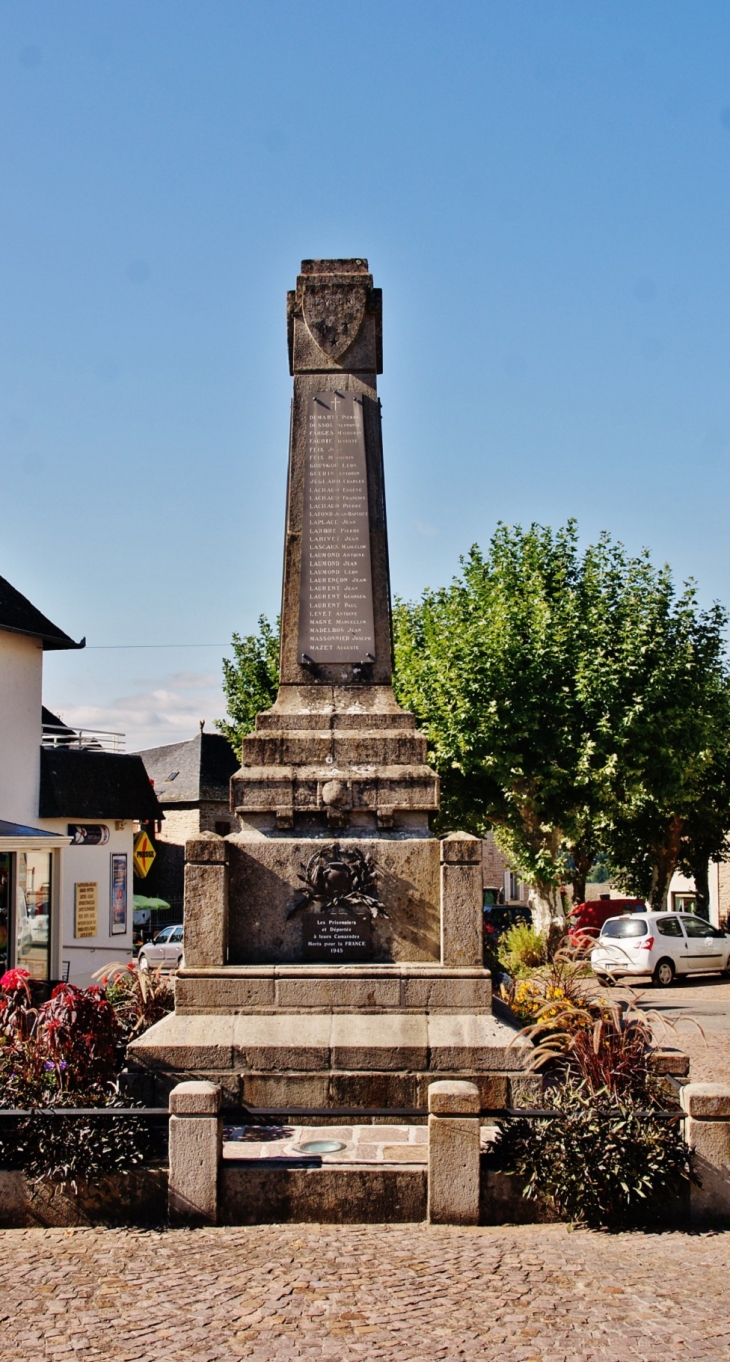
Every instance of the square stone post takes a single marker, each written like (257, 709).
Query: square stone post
(707, 1131)
(196, 1137)
(461, 900)
(206, 900)
(453, 1153)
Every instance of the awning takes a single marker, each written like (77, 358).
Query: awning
(19, 837)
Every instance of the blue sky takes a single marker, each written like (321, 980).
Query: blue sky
(543, 193)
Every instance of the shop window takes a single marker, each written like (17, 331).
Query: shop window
(33, 913)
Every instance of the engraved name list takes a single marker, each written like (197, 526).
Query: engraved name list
(336, 598)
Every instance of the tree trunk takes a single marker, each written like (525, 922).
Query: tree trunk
(666, 857)
(546, 907)
(582, 861)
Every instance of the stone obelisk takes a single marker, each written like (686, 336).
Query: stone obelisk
(336, 751)
(333, 947)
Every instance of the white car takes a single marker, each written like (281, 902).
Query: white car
(663, 945)
(165, 952)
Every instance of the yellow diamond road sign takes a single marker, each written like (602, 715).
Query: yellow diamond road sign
(144, 854)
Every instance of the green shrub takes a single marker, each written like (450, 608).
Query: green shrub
(610, 1151)
(522, 949)
(602, 1161)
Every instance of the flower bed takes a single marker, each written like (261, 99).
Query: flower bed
(69, 1052)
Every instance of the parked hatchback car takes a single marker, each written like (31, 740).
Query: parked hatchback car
(664, 945)
(165, 952)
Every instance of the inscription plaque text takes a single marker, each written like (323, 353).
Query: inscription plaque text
(338, 938)
(336, 591)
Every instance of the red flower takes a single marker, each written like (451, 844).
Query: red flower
(14, 978)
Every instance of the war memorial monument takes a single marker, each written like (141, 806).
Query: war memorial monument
(333, 946)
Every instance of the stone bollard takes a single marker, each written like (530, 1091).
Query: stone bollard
(707, 1131)
(453, 1153)
(196, 1137)
(461, 900)
(206, 900)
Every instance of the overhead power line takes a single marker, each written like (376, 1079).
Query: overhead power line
(106, 646)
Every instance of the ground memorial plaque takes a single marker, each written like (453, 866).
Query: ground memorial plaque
(336, 597)
(338, 939)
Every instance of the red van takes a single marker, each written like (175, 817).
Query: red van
(586, 919)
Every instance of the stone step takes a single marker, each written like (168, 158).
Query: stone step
(280, 722)
(368, 787)
(261, 1192)
(351, 1042)
(308, 747)
(334, 988)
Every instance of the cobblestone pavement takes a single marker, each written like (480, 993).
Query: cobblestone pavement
(363, 1292)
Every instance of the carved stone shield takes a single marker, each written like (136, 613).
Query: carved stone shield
(334, 314)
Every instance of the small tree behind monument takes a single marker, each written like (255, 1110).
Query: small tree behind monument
(576, 704)
(250, 680)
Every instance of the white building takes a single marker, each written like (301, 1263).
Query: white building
(68, 806)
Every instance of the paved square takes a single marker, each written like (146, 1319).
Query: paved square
(356, 1144)
(524, 1294)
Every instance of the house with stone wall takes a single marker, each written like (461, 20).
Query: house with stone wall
(498, 876)
(192, 783)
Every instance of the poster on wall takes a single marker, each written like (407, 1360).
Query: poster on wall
(118, 895)
(86, 908)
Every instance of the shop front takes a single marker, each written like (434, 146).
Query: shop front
(29, 900)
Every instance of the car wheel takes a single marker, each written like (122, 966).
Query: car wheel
(605, 980)
(179, 961)
(143, 962)
(664, 974)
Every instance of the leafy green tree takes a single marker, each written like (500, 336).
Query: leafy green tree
(705, 833)
(575, 704)
(488, 665)
(250, 680)
(658, 703)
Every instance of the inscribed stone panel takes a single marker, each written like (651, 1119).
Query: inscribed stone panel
(336, 593)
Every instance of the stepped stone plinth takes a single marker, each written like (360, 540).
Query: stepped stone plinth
(333, 947)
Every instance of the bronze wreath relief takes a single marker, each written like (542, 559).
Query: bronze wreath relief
(339, 879)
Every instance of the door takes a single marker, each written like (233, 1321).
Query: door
(706, 948)
(672, 941)
(33, 912)
(157, 951)
(174, 950)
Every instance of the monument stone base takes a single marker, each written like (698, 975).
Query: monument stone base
(335, 1036)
